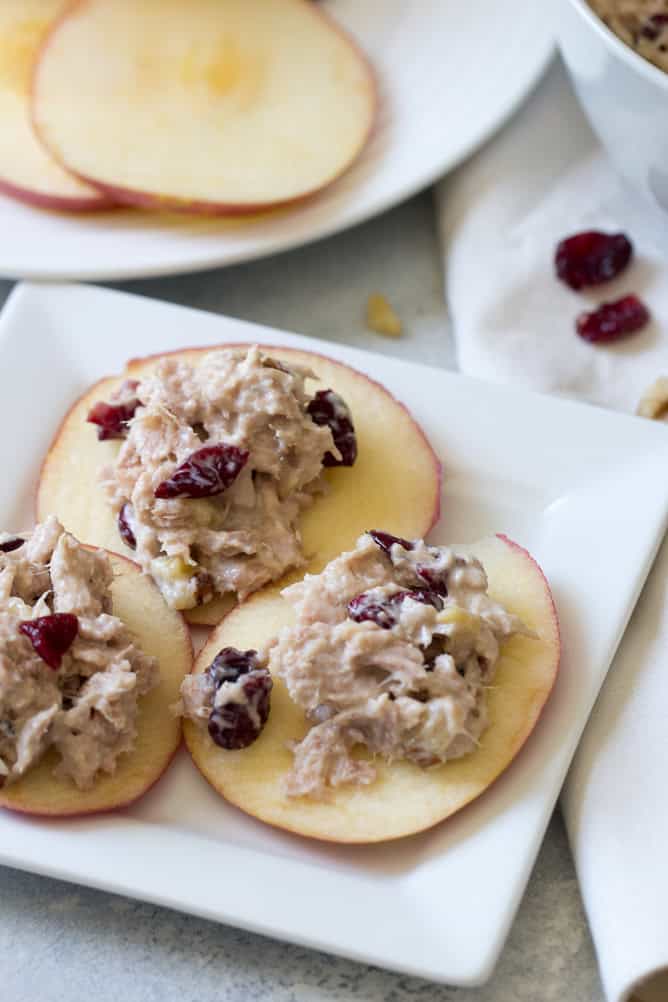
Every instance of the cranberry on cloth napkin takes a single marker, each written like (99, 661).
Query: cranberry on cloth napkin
(501, 216)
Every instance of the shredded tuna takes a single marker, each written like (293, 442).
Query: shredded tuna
(247, 535)
(413, 689)
(87, 709)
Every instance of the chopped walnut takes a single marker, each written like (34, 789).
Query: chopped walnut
(654, 403)
(381, 318)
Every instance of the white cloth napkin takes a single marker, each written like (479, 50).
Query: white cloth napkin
(500, 216)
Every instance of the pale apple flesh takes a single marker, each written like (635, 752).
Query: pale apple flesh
(163, 633)
(27, 172)
(395, 482)
(203, 106)
(404, 798)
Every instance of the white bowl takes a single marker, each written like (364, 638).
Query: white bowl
(624, 96)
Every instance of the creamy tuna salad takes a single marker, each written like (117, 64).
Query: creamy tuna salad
(218, 462)
(70, 672)
(642, 24)
(393, 648)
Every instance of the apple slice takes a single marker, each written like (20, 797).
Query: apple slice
(163, 633)
(396, 481)
(203, 106)
(404, 799)
(27, 172)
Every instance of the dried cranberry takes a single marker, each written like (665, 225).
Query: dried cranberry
(613, 320)
(113, 419)
(653, 26)
(364, 608)
(230, 664)
(124, 528)
(205, 473)
(386, 541)
(11, 544)
(433, 579)
(51, 636)
(328, 409)
(237, 725)
(384, 611)
(424, 595)
(591, 257)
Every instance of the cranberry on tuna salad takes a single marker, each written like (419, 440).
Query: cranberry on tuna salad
(11, 543)
(205, 473)
(330, 410)
(377, 607)
(51, 636)
(218, 462)
(113, 418)
(232, 697)
(125, 530)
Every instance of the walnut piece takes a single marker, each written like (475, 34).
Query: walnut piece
(381, 318)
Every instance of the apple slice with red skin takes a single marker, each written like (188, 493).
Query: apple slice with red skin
(395, 482)
(27, 172)
(159, 631)
(404, 798)
(205, 107)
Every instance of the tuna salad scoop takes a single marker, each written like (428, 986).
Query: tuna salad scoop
(218, 461)
(642, 24)
(71, 673)
(393, 648)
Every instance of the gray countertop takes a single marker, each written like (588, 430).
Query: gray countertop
(61, 943)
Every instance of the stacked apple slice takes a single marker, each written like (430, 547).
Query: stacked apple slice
(201, 106)
(27, 171)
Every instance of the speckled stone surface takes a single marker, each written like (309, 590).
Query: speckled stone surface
(61, 943)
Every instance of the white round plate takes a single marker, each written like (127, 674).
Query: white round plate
(449, 74)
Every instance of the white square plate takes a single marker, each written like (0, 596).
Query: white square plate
(585, 490)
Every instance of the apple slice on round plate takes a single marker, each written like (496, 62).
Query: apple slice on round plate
(395, 482)
(203, 106)
(163, 633)
(404, 798)
(27, 172)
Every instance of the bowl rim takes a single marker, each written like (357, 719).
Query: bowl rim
(621, 48)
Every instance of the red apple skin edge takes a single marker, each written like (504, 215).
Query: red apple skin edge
(57, 203)
(516, 546)
(555, 615)
(56, 815)
(438, 466)
(99, 202)
(115, 195)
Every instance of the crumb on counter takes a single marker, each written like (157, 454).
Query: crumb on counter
(654, 402)
(381, 318)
